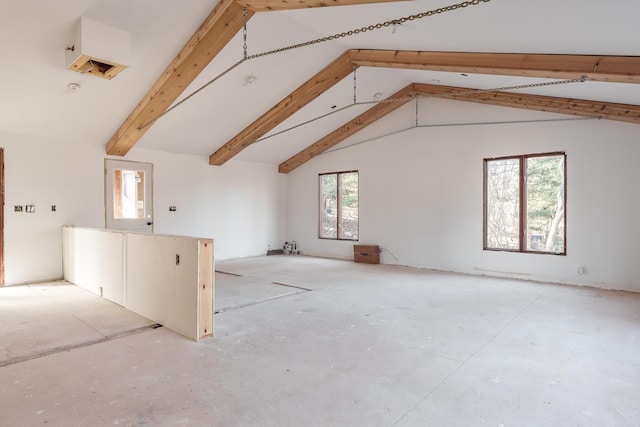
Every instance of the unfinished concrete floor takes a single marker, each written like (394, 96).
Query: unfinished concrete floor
(365, 345)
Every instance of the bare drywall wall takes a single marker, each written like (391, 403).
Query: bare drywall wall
(168, 279)
(242, 205)
(159, 288)
(45, 173)
(92, 258)
(421, 194)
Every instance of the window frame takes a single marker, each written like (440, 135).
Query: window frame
(338, 205)
(522, 234)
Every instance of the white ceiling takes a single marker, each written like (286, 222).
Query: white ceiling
(35, 99)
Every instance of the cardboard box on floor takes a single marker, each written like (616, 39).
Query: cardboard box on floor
(369, 254)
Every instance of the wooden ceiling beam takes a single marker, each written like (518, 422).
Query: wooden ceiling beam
(273, 5)
(619, 69)
(594, 67)
(577, 107)
(348, 129)
(212, 36)
(216, 31)
(310, 90)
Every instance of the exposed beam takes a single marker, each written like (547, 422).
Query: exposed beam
(577, 107)
(212, 36)
(348, 129)
(271, 5)
(621, 69)
(594, 67)
(311, 89)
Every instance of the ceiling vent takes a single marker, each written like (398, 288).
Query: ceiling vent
(98, 49)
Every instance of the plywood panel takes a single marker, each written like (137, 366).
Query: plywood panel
(205, 289)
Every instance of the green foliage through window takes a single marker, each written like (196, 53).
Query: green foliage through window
(524, 203)
(339, 206)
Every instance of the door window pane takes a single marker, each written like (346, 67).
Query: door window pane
(128, 194)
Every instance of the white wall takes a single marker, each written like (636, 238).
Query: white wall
(421, 194)
(241, 205)
(420, 197)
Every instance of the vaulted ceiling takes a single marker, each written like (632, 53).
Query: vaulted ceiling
(257, 105)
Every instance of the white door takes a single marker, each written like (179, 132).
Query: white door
(128, 189)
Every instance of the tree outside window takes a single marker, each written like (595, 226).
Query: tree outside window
(339, 206)
(525, 203)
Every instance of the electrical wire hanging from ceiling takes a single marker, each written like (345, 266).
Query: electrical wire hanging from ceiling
(453, 94)
(336, 36)
(437, 125)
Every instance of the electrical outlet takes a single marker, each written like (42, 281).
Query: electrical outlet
(582, 270)
(53, 208)
(172, 208)
(17, 208)
(30, 208)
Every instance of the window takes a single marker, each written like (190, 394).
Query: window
(524, 203)
(128, 195)
(339, 206)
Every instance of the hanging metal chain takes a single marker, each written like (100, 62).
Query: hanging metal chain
(373, 27)
(440, 95)
(245, 14)
(355, 93)
(417, 100)
(527, 86)
(466, 92)
(337, 36)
